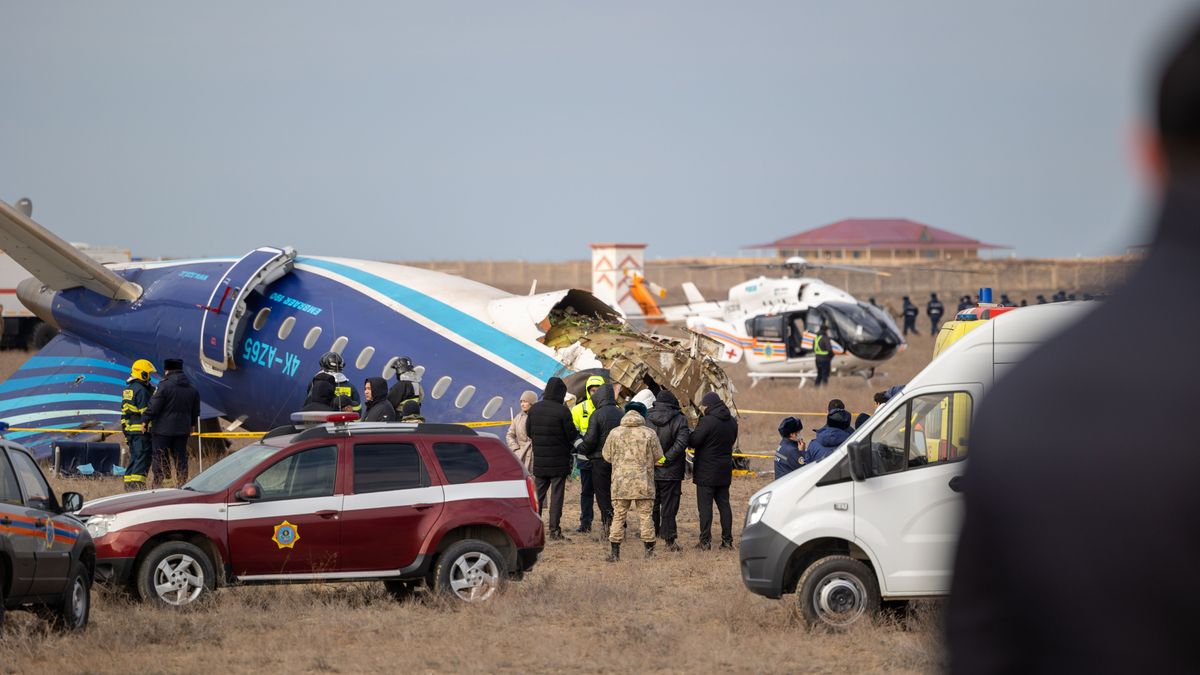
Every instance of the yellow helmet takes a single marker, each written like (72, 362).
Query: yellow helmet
(142, 369)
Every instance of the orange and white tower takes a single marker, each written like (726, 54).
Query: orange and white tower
(613, 267)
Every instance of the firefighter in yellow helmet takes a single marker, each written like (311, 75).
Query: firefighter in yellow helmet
(134, 400)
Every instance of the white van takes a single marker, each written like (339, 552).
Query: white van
(878, 519)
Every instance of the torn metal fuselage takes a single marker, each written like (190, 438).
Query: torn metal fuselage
(635, 361)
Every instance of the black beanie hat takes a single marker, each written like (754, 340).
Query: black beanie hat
(636, 406)
(172, 364)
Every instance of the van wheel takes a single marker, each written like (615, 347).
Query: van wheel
(175, 573)
(837, 591)
(470, 571)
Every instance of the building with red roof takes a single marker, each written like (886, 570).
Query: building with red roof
(878, 239)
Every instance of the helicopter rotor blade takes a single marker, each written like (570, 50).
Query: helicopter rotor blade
(848, 268)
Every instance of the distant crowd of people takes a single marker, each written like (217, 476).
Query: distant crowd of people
(935, 309)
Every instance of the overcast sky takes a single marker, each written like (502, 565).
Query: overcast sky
(446, 130)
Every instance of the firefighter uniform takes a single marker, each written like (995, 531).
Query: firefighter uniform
(134, 400)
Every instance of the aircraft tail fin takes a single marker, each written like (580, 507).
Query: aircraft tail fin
(69, 384)
(55, 262)
(693, 295)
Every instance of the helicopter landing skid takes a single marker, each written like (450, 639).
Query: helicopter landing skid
(804, 377)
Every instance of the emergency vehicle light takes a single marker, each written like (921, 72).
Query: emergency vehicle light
(321, 417)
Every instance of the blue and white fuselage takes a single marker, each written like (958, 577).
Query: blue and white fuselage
(478, 345)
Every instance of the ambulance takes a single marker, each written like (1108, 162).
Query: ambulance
(877, 521)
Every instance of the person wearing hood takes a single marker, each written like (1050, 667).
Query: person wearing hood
(320, 397)
(172, 414)
(632, 449)
(581, 413)
(671, 427)
(834, 433)
(517, 438)
(789, 456)
(377, 407)
(712, 467)
(552, 437)
(606, 417)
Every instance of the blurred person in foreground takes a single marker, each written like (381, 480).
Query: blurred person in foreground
(1076, 555)
(712, 467)
(632, 449)
(672, 430)
(553, 437)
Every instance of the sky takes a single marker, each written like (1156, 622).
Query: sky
(527, 130)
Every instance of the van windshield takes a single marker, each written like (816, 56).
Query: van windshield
(220, 476)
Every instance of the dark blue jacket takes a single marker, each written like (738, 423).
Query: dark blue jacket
(828, 439)
(788, 458)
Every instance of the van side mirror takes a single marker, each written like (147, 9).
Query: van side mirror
(861, 465)
(248, 493)
(71, 502)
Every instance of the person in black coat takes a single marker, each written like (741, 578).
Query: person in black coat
(1076, 552)
(671, 427)
(910, 312)
(320, 397)
(554, 437)
(606, 417)
(712, 467)
(376, 406)
(173, 413)
(934, 309)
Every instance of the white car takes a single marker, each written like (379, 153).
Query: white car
(878, 519)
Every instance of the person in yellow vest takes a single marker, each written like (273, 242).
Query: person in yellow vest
(580, 414)
(823, 353)
(134, 400)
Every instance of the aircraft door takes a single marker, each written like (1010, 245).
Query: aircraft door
(227, 305)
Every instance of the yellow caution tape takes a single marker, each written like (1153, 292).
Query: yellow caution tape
(65, 431)
(232, 434)
(775, 412)
(481, 424)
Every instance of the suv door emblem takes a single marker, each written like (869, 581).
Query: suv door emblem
(286, 535)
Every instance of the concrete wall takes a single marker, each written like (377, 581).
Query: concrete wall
(1018, 278)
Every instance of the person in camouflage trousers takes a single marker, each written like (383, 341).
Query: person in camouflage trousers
(633, 450)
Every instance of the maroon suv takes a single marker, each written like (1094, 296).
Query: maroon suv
(407, 504)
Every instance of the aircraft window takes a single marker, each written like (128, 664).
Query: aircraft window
(420, 371)
(339, 345)
(439, 388)
(313, 335)
(464, 396)
(285, 328)
(260, 319)
(492, 406)
(364, 357)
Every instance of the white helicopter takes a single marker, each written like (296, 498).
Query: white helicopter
(771, 322)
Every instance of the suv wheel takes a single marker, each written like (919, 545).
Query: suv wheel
(471, 571)
(838, 591)
(72, 611)
(175, 573)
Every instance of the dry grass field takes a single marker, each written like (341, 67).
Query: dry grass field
(674, 613)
